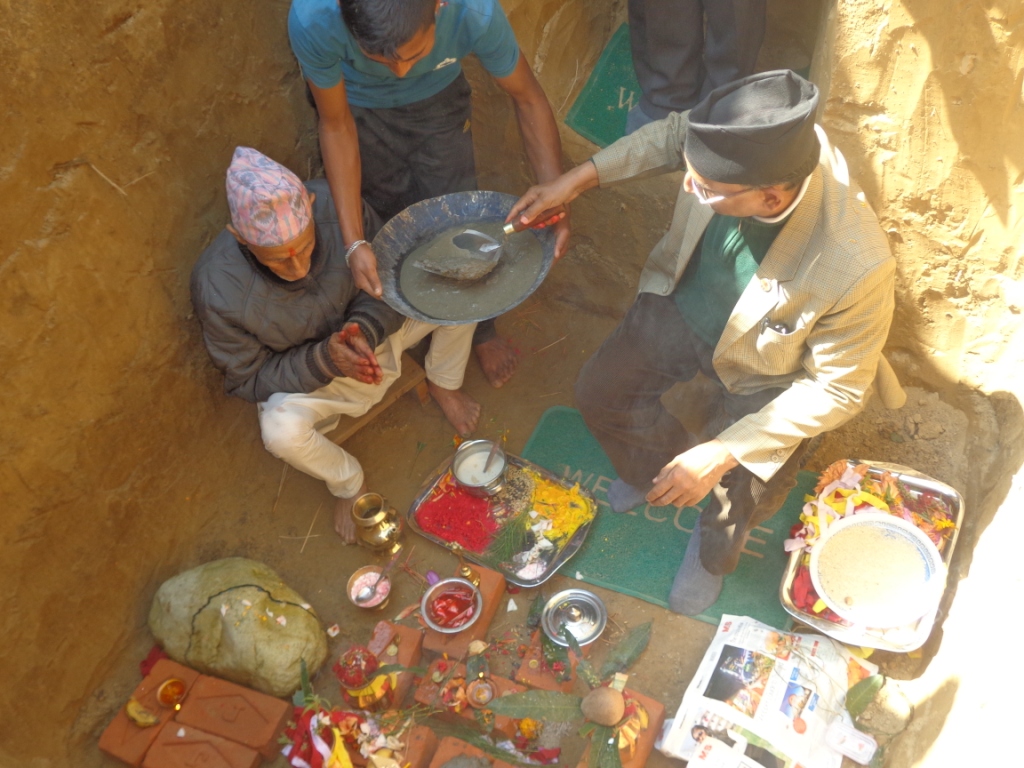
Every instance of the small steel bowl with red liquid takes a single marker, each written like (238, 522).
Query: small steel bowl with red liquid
(451, 605)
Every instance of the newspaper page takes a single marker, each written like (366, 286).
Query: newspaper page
(763, 698)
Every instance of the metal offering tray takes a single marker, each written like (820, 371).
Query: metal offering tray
(557, 557)
(898, 639)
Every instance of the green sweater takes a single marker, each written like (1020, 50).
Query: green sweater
(723, 263)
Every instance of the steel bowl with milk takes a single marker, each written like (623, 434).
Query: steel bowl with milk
(468, 468)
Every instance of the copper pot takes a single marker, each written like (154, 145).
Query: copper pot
(378, 525)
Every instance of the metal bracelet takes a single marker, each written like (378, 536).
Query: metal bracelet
(352, 247)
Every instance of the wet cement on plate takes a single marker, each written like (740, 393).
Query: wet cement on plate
(455, 300)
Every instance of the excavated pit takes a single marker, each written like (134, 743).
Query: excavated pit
(122, 462)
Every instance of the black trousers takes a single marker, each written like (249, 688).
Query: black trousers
(619, 394)
(679, 60)
(418, 151)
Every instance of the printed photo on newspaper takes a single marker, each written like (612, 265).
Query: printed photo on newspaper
(765, 698)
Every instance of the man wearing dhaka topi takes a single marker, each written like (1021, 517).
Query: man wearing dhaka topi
(285, 323)
(774, 281)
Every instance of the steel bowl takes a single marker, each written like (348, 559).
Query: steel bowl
(581, 612)
(434, 591)
(350, 589)
(474, 448)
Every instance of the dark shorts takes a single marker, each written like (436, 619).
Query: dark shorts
(418, 151)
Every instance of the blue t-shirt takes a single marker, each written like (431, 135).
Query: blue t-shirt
(327, 52)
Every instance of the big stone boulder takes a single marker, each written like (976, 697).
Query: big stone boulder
(236, 619)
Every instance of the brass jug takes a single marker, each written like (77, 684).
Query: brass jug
(378, 525)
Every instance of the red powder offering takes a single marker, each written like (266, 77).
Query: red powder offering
(455, 516)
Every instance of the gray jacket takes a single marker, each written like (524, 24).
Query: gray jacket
(270, 335)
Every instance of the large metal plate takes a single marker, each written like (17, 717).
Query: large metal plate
(422, 222)
(561, 554)
(899, 639)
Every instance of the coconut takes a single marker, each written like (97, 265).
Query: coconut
(604, 706)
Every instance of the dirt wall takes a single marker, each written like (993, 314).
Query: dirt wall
(924, 98)
(119, 118)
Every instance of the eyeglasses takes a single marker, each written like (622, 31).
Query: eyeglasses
(707, 196)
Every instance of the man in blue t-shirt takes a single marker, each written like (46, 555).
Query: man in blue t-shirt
(394, 111)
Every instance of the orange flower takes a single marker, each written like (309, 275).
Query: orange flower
(833, 472)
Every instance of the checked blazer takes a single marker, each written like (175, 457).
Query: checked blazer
(828, 278)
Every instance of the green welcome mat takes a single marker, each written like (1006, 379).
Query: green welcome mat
(599, 112)
(638, 553)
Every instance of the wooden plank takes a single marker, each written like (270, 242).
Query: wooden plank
(413, 377)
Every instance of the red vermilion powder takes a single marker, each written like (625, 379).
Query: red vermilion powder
(455, 516)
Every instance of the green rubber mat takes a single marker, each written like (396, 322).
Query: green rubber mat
(599, 112)
(638, 553)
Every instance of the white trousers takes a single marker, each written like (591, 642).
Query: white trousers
(293, 424)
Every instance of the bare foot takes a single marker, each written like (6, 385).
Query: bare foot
(498, 360)
(344, 525)
(459, 408)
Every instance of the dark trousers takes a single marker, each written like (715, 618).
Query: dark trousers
(418, 151)
(679, 60)
(619, 394)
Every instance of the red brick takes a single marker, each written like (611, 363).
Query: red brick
(125, 740)
(410, 648)
(381, 637)
(450, 748)
(237, 713)
(428, 694)
(420, 745)
(645, 743)
(492, 590)
(542, 677)
(180, 746)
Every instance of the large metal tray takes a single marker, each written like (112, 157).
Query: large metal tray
(422, 222)
(898, 639)
(560, 555)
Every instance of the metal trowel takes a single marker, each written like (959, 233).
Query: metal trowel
(474, 256)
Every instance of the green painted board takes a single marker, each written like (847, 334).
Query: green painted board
(599, 112)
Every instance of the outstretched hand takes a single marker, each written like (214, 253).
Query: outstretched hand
(690, 476)
(363, 265)
(544, 205)
(351, 352)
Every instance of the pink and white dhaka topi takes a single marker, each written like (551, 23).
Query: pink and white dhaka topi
(269, 205)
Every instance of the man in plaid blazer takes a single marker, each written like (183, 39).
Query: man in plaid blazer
(774, 280)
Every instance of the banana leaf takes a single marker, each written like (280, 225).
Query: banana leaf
(536, 609)
(627, 650)
(539, 705)
(395, 669)
(554, 653)
(862, 694)
(583, 667)
(475, 665)
(473, 736)
(304, 696)
(604, 748)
